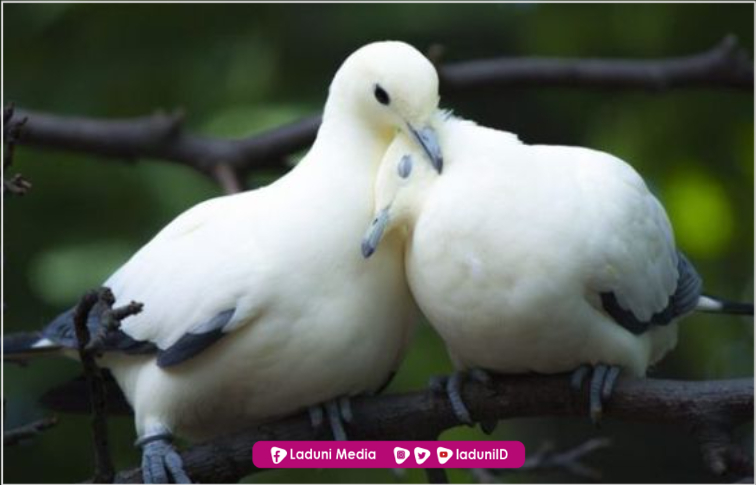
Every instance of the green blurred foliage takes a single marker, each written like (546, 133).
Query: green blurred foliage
(239, 69)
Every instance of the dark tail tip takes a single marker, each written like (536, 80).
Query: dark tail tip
(736, 308)
(19, 343)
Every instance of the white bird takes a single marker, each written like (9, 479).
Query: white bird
(532, 258)
(259, 304)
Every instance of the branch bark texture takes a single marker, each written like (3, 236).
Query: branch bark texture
(87, 349)
(104, 470)
(424, 415)
(726, 65)
(12, 184)
(17, 435)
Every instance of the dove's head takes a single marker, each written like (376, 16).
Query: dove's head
(401, 186)
(393, 88)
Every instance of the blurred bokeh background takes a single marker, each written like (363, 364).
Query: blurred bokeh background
(239, 69)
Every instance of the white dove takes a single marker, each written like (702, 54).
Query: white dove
(534, 258)
(259, 304)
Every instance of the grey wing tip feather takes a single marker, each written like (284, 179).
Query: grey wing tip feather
(683, 301)
(61, 331)
(195, 341)
(689, 287)
(186, 347)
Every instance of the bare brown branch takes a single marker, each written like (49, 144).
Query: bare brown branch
(110, 320)
(16, 184)
(547, 458)
(17, 435)
(726, 65)
(87, 348)
(228, 178)
(423, 415)
(104, 470)
(720, 454)
(162, 136)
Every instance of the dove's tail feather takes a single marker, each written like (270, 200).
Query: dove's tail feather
(711, 304)
(26, 345)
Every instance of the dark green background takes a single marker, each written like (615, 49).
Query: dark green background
(238, 69)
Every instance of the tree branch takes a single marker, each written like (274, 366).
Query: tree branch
(104, 471)
(226, 160)
(726, 65)
(720, 453)
(16, 184)
(109, 319)
(17, 435)
(424, 415)
(547, 458)
(162, 136)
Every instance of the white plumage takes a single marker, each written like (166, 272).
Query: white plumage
(510, 249)
(311, 321)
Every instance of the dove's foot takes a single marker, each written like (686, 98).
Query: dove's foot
(452, 386)
(161, 462)
(603, 379)
(338, 412)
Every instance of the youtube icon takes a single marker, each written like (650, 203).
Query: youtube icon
(444, 454)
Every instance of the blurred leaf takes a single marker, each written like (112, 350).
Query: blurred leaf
(61, 275)
(700, 212)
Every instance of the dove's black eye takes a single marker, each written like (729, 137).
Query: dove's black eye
(381, 95)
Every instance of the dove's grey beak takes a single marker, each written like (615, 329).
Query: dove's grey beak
(374, 233)
(429, 141)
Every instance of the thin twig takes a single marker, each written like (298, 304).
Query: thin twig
(16, 184)
(88, 346)
(548, 459)
(423, 415)
(104, 470)
(228, 178)
(720, 453)
(17, 435)
(110, 320)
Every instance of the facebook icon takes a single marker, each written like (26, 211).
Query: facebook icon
(277, 454)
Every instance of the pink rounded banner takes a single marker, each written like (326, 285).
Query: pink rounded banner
(388, 454)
